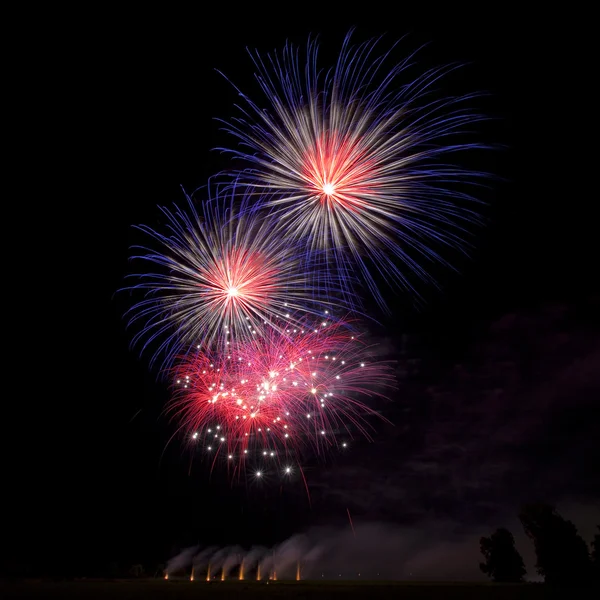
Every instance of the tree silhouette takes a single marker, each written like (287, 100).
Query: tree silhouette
(503, 563)
(596, 556)
(562, 554)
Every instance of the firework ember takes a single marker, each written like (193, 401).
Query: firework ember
(274, 397)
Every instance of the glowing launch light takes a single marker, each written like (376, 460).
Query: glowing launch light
(288, 469)
(344, 444)
(166, 576)
(195, 435)
(258, 474)
(232, 292)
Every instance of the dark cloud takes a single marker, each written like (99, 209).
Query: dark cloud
(513, 419)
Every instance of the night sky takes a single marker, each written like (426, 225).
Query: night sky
(499, 372)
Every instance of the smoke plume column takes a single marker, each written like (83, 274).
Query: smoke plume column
(216, 561)
(233, 559)
(252, 558)
(182, 561)
(379, 551)
(201, 560)
(288, 554)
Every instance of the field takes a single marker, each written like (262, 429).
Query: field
(182, 590)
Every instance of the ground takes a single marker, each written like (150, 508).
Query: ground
(181, 590)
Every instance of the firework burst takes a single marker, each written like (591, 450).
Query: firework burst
(356, 160)
(274, 399)
(216, 276)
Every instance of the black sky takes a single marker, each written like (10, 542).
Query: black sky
(502, 366)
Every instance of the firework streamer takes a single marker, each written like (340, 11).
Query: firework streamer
(358, 162)
(215, 275)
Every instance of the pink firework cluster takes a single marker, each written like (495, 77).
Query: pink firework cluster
(288, 392)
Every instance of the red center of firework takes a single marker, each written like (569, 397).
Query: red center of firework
(239, 284)
(338, 172)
